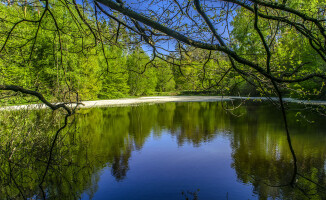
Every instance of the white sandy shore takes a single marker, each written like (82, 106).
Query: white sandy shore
(128, 101)
(157, 99)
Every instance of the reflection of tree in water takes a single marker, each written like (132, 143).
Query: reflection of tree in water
(120, 165)
(196, 123)
(24, 150)
(107, 136)
(262, 157)
(98, 137)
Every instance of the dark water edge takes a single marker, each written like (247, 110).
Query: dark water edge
(196, 150)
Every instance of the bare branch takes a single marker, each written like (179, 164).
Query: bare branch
(36, 94)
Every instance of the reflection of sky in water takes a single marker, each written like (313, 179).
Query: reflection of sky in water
(159, 151)
(162, 170)
(179, 147)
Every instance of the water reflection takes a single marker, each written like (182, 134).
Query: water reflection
(167, 149)
(262, 157)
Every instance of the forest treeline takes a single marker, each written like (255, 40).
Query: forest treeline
(58, 56)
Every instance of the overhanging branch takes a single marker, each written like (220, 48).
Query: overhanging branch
(36, 94)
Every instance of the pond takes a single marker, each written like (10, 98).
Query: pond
(194, 150)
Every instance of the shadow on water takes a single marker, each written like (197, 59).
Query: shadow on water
(110, 138)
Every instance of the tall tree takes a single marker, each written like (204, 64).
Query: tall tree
(142, 78)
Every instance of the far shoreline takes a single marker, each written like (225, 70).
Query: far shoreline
(161, 99)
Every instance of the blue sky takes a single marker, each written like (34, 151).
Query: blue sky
(157, 8)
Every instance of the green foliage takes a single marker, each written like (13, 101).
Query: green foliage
(165, 79)
(114, 74)
(60, 63)
(292, 56)
(142, 77)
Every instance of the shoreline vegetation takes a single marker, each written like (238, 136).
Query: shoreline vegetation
(162, 99)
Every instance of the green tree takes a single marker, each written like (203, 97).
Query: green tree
(165, 78)
(142, 77)
(114, 74)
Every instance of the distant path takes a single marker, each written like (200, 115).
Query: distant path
(159, 99)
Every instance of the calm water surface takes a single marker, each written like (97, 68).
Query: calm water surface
(196, 150)
(200, 151)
